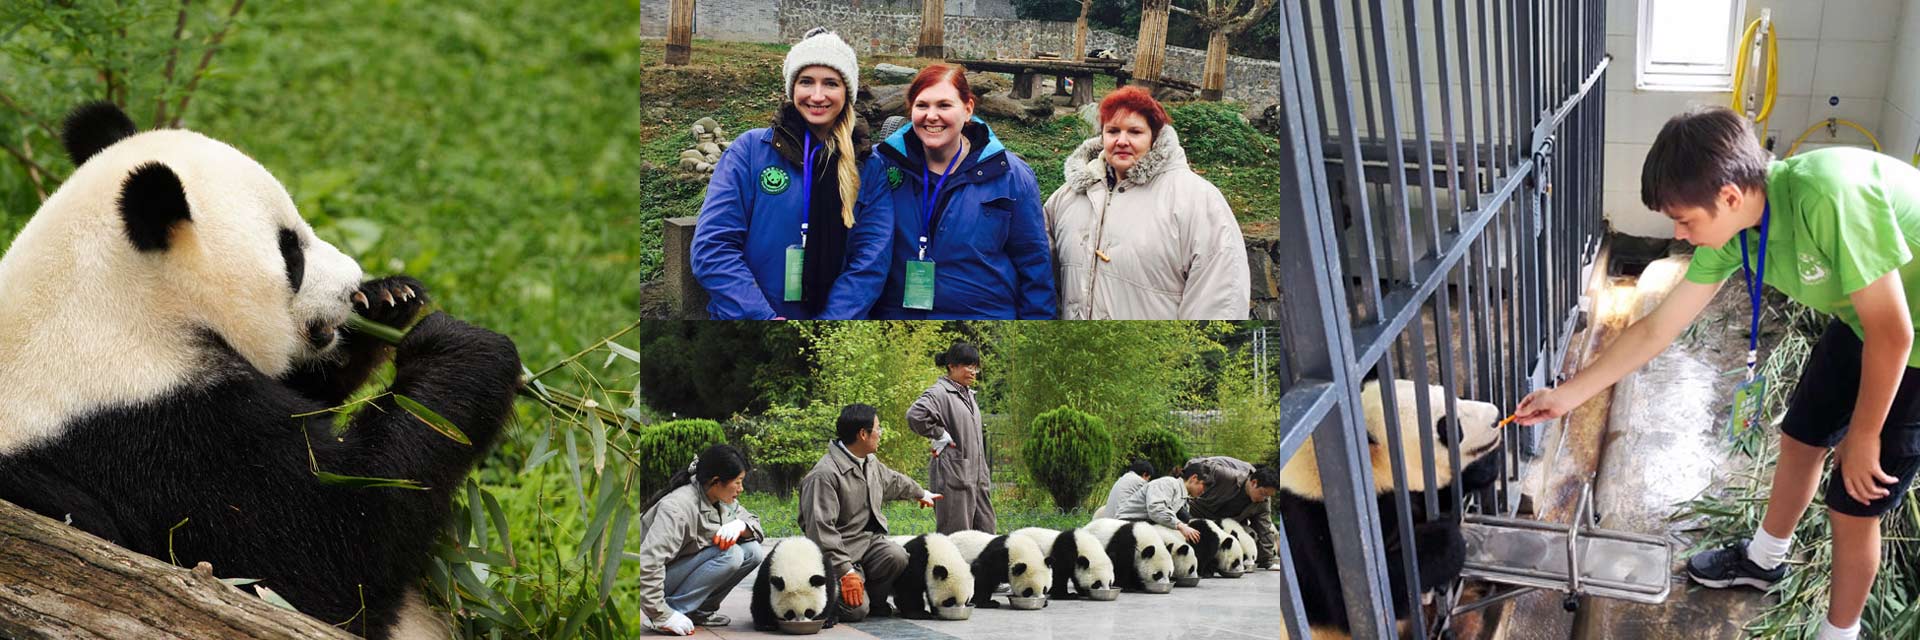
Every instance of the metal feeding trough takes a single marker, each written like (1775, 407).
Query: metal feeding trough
(1577, 560)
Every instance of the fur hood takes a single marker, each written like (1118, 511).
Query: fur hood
(1087, 166)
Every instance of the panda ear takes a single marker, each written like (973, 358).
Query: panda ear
(818, 581)
(151, 202)
(1049, 562)
(939, 572)
(93, 127)
(779, 584)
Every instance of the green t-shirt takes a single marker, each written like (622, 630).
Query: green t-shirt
(1841, 218)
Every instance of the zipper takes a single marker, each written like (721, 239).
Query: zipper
(1099, 236)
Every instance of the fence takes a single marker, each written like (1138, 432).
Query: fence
(1442, 196)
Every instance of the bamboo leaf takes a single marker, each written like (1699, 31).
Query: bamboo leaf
(273, 598)
(476, 514)
(611, 565)
(499, 517)
(431, 419)
(359, 482)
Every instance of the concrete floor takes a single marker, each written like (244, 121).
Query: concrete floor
(1225, 609)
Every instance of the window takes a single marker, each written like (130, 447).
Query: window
(1688, 45)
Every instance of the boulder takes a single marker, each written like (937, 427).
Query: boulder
(998, 105)
(984, 83)
(885, 73)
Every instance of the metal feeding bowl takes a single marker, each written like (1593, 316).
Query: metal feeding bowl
(1030, 603)
(960, 612)
(801, 627)
(1230, 573)
(1103, 594)
(1189, 581)
(1159, 587)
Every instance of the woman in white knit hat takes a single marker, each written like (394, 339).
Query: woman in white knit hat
(778, 238)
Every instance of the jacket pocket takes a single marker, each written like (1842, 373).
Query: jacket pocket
(990, 231)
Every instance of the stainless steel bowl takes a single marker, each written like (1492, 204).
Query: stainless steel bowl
(1103, 594)
(1027, 603)
(801, 627)
(961, 612)
(1189, 581)
(1230, 574)
(1159, 587)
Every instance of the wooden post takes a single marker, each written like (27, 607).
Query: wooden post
(1152, 52)
(680, 33)
(933, 31)
(1079, 51)
(1214, 83)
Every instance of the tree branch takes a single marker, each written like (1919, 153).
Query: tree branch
(33, 169)
(173, 54)
(1234, 26)
(205, 59)
(44, 126)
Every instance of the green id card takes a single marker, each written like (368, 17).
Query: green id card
(796, 257)
(1747, 406)
(919, 285)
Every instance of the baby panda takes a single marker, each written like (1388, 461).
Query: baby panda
(1438, 545)
(1244, 540)
(1217, 551)
(1185, 563)
(792, 585)
(172, 335)
(1077, 559)
(1016, 561)
(1139, 555)
(936, 577)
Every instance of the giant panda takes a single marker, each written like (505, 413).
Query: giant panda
(171, 334)
(792, 585)
(1139, 555)
(1016, 561)
(1473, 433)
(936, 577)
(1077, 559)
(1248, 554)
(1185, 563)
(1217, 551)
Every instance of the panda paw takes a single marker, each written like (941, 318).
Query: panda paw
(393, 301)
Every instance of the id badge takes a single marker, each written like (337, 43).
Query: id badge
(1748, 399)
(919, 285)
(796, 258)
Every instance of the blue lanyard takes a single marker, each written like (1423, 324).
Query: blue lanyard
(929, 197)
(1754, 276)
(806, 185)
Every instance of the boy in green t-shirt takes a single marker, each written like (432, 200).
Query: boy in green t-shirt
(1836, 230)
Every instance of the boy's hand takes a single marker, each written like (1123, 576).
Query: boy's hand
(1860, 467)
(1543, 405)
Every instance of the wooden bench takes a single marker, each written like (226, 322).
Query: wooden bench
(1027, 73)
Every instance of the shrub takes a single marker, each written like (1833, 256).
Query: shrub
(667, 447)
(787, 442)
(1160, 446)
(1066, 452)
(1214, 133)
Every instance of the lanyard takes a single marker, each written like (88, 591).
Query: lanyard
(1754, 275)
(930, 197)
(806, 185)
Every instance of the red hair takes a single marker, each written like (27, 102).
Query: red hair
(955, 75)
(1136, 100)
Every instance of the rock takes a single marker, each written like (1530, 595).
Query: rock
(710, 149)
(984, 83)
(708, 124)
(889, 101)
(1039, 108)
(692, 154)
(999, 106)
(885, 73)
(1090, 114)
(689, 164)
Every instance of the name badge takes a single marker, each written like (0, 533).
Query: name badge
(1748, 405)
(796, 260)
(919, 293)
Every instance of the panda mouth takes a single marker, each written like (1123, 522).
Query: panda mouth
(322, 336)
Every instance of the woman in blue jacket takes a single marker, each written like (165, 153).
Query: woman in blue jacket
(969, 237)
(778, 236)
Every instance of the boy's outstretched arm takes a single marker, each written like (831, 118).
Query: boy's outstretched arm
(1884, 318)
(1639, 343)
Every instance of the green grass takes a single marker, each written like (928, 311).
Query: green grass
(739, 86)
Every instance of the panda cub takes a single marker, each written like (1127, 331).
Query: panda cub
(1473, 434)
(1217, 551)
(171, 335)
(1012, 560)
(1243, 539)
(1077, 559)
(1185, 563)
(792, 585)
(1139, 555)
(936, 577)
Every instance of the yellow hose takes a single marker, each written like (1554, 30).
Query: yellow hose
(1828, 123)
(1740, 73)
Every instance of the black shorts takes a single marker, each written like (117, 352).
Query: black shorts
(1822, 408)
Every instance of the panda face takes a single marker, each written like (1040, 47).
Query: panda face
(799, 600)
(949, 579)
(1150, 557)
(1029, 570)
(1092, 568)
(1472, 432)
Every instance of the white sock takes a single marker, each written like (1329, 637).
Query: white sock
(1766, 550)
(1830, 632)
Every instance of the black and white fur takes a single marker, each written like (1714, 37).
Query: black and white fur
(1243, 539)
(170, 336)
(1077, 559)
(1015, 561)
(936, 577)
(1185, 563)
(792, 584)
(1438, 545)
(1217, 551)
(1139, 555)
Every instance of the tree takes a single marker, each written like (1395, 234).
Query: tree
(1151, 54)
(1222, 19)
(716, 369)
(1131, 374)
(933, 32)
(680, 33)
(1080, 32)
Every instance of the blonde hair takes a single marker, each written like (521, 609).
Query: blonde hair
(845, 165)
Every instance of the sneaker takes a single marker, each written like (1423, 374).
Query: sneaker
(1004, 589)
(1728, 567)
(705, 619)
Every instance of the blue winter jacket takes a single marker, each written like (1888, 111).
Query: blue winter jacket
(751, 215)
(989, 247)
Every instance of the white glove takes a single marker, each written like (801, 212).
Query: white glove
(946, 440)
(729, 534)
(677, 624)
(927, 498)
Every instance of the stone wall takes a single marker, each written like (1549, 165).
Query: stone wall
(759, 20)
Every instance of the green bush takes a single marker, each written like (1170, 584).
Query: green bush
(668, 447)
(1066, 452)
(787, 442)
(1160, 446)
(1213, 133)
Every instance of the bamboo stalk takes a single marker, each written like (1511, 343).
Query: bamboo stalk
(553, 398)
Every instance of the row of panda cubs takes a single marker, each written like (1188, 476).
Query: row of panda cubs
(964, 568)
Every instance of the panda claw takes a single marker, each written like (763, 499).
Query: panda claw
(406, 293)
(360, 300)
(387, 296)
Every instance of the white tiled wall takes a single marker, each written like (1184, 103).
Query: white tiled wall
(1844, 49)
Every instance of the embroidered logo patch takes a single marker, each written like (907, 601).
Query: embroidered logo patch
(774, 181)
(893, 177)
(1812, 269)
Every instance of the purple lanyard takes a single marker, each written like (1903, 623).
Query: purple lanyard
(930, 198)
(806, 185)
(1754, 276)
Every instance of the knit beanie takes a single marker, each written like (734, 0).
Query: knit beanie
(823, 47)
